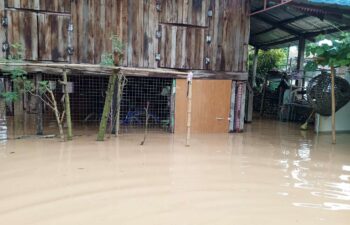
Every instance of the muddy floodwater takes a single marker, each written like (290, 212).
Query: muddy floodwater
(273, 174)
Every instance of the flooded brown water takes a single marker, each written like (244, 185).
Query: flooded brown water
(272, 174)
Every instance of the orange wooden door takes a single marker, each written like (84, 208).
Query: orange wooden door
(210, 106)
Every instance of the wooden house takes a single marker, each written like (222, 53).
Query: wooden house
(208, 37)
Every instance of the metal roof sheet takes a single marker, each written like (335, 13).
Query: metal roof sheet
(285, 25)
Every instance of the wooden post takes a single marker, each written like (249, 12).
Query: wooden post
(255, 66)
(39, 106)
(120, 90)
(107, 106)
(300, 59)
(189, 107)
(232, 107)
(114, 108)
(333, 105)
(263, 97)
(67, 105)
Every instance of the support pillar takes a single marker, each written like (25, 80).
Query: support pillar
(255, 65)
(39, 107)
(300, 59)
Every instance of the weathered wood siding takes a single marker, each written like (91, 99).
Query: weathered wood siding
(185, 26)
(53, 34)
(22, 28)
(2, 30)
(39, 25)
(42, 5)
(135, 22)
(191, 12)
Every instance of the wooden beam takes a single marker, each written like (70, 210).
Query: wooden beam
(92, 69)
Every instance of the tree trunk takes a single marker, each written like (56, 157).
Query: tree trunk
(67, 104)
(107, 106)
(57, 115)
(333, 106)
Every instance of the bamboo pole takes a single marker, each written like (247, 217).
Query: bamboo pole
(67, 104)
(333, 105)
(189, 108)
(107, 107)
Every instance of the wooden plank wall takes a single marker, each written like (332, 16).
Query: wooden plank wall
(2, 29)
(22, 28)
(191, 12)
(40, 26)
(135, 22)
(42, 5)
(229, 29)
(185, 25)
(182, 47)
(52, 33)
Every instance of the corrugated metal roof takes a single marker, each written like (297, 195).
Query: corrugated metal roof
(334, 2)
(285, 25)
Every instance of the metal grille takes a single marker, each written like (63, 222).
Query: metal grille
(87, 97)
(140, 92)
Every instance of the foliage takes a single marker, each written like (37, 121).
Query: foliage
(334, 52)
(107, 59)
(268, 60)
(21, 85)
(117, 44)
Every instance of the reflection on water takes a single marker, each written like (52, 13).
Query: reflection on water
(307, 171)
(3, 129)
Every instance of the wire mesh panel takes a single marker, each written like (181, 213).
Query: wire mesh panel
(146, 97)
(87, 95)
(141, 98)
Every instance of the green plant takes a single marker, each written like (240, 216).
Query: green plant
(113, 58)
(268, 60)
(23, 85)
(333, 52)
(117, 44)
(107, 59)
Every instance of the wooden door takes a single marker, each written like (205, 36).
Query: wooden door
(210, 106)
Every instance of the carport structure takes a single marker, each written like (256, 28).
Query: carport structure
(282, 23)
